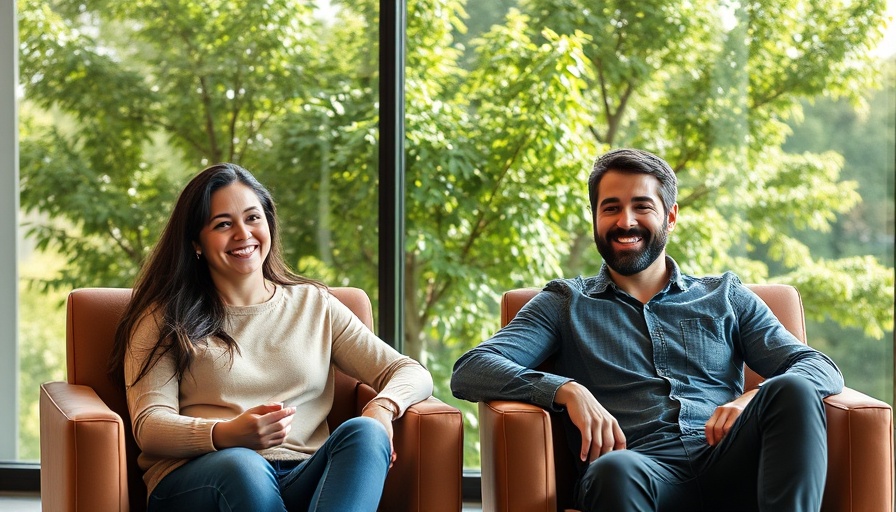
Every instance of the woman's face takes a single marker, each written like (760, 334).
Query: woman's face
(235, 239)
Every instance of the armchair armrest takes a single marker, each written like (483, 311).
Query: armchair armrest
(82, 451)
(860, 453)
(427, 474)
(515, 479)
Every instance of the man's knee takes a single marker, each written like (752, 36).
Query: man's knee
(618, 480)
(793, 397)
(792, 391)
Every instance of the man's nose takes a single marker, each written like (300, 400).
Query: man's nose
(626, 219)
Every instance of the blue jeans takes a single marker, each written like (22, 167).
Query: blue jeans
(346, 473)
(774, 458)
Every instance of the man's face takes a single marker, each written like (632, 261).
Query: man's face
(630, 225)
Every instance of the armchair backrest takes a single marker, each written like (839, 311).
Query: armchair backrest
(784, 301)
(92, 318)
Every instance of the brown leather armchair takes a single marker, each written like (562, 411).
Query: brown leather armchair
(89, 457)
(527, 465)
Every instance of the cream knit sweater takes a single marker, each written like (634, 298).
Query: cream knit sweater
(288, 347)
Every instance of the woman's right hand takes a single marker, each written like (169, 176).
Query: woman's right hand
(260, 427)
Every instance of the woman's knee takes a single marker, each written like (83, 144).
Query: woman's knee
(363, 430)
(228, 479)
(242, 468)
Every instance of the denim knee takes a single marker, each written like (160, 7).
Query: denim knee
(229, 479)
(363, 431)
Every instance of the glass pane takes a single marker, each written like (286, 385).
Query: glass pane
(124, 101)
(777, 117)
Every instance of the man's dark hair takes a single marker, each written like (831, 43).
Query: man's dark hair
(634, 161)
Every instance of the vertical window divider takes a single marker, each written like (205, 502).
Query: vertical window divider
(393, 21)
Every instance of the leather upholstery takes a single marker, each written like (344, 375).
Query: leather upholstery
(527, 466)
(88, 453)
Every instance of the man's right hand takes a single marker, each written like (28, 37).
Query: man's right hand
(600, 430)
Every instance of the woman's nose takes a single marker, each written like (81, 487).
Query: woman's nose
(243, 233)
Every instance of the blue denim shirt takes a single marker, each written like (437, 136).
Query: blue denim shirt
(659, 368)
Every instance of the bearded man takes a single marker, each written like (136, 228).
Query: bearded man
(649, 369)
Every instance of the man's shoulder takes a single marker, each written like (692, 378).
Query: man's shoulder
(727, 279)
(571, 285)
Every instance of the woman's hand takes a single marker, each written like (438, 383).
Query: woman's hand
(385, 414)
(260, 427)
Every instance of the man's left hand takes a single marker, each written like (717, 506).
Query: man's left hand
(725, 415)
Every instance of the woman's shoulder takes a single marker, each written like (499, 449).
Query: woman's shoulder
(305, 292)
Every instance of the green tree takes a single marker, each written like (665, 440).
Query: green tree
(500, 134)
(867, 140)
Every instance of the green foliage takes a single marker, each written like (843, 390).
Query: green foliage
(124, 101)
(41, 350)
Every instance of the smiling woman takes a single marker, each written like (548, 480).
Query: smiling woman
(235, 243)
(221, 346)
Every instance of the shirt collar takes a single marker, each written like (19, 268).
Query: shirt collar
(599, 283)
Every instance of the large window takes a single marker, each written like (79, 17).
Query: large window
(777, 115)
(122, 104)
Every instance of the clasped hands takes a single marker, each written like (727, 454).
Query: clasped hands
(267, 425)
(602, 434)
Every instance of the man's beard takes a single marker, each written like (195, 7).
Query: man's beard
(630, 262)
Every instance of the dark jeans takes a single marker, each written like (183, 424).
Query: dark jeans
(346, 473)
(773, 459)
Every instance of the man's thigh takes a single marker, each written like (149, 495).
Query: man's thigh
(775, 452)
(658, 477)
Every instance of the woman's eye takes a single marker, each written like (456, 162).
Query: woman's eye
(222, 225)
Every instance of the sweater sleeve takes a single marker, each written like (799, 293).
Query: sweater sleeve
(358, 352)
(159, 428)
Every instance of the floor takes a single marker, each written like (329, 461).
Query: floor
(30, 502)
(19, 502)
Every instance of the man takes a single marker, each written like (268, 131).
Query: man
(649, 369)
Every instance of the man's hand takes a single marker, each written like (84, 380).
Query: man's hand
(262, 426)
(600, 430)
(724, 417)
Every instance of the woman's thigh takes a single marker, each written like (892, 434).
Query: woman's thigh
(229, 479)
(346, 473)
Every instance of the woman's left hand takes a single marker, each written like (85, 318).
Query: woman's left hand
(384, 415)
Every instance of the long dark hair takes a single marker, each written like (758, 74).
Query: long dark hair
(175, 286)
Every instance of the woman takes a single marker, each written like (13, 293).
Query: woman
(228, 361)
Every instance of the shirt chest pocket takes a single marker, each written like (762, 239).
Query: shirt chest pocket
(705, 344)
